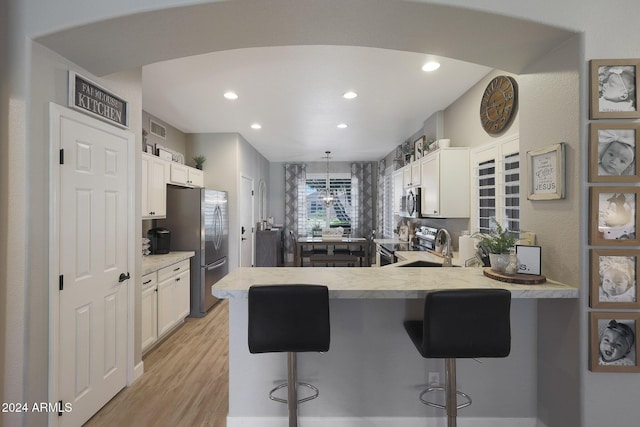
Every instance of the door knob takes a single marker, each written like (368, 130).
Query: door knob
(124, 277)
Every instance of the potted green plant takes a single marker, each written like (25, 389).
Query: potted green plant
(199, 161)
(498, 243)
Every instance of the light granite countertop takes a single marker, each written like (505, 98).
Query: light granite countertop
(381, 283)
(151, 263)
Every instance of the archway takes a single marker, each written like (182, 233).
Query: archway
(127, 42)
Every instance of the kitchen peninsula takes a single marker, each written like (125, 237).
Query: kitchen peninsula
(372, 375)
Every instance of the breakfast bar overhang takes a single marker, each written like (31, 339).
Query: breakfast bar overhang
(371, 375)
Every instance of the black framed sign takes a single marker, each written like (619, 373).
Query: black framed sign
(91, 98)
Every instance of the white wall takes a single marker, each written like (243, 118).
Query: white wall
(175, 138)
(557, 224)
(462, 118)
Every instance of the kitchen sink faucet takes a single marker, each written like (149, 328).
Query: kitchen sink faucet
(447, 251)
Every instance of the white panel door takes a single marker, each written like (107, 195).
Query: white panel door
(246, 222)
(93, 256)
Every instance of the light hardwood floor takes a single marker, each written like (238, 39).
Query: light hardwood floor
(185, 381)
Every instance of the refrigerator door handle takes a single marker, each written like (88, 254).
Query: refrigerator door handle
(216, 264)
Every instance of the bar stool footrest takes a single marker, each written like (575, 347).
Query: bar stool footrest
(305, 399)
(442, 389)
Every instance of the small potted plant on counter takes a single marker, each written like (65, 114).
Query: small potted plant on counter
(199, 161)
(498, 243)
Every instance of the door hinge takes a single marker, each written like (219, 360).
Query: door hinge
(61, 282)
(59, 408)
(62, 156)
(252, 192)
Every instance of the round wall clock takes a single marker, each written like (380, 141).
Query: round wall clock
(498, 104)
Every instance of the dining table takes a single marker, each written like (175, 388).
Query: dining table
(330, 243)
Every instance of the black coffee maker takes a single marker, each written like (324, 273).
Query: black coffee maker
(160, 239)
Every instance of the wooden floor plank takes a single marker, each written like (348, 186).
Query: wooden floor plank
(185, 381)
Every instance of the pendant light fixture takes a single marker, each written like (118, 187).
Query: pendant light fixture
(327, 196)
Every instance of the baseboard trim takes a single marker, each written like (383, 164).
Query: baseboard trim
(380, 422)
(138, 370)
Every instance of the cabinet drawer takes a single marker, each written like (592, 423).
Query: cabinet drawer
(149, 280)
(172, 270)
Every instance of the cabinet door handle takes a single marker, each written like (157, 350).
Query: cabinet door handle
(177, 279)
(176, 269)
(148, 281)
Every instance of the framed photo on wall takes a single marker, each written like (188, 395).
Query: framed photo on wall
(613, 216)
(614, 278)
(613, 88)
(613, 342)
(613, 153)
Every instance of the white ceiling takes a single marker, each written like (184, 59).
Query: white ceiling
(295, 93)
(294, 90)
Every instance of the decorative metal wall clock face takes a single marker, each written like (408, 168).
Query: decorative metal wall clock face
(498, 105)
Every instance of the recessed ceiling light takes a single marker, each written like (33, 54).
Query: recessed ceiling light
(431, 66)
(256, 126)
(350, 95)
(342, 126)
(231, 95)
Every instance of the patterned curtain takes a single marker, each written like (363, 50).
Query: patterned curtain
(361, 199)
(382, 166)
(295, 177)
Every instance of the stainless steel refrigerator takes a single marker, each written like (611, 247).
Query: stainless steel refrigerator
(198, 221)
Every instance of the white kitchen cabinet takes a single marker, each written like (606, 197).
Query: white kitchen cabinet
(155, 175)
(411, 174)
(186, 176)
(445, 183)
(174, 294)
(195, 177)
(149, 310)
(398, 189)
(182, 293)
(406, 176)
(415, 173)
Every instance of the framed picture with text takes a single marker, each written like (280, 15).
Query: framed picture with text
(546, 172)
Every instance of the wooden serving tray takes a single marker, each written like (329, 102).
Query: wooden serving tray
(522, 279)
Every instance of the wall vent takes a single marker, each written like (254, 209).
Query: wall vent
(157, 129)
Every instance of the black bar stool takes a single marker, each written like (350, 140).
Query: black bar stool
(466, 323)
(292, 319)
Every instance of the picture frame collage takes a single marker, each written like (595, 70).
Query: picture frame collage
(614, 216)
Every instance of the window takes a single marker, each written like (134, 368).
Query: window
(339, 214)
(496, 186)
(486, 194)
(511, 172)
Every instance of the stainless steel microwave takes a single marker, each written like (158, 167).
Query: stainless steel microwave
(412, 196)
